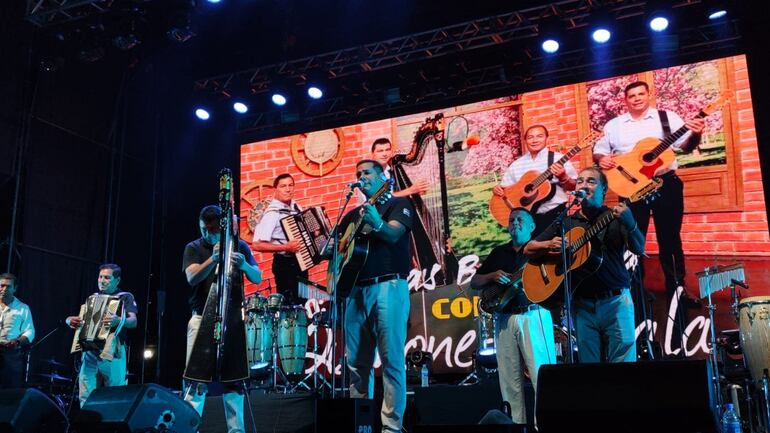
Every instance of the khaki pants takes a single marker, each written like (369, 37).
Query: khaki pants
(95, 372)
(195, 392)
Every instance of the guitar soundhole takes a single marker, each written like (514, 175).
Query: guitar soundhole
(528, 189)
(648, 157)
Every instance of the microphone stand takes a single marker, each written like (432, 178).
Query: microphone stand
(34, 345)
(332, 288)
(566, 261)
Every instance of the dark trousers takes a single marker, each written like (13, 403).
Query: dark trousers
(11, 368)
(285, 273)
(667, 212)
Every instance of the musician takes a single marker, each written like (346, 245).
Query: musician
(269, 237)
(523, 330)
(378, 306)
(602, 305)
(200, 259)
(382, 152)
(620, 136)
(97, 367)
(16, 332)
(539, 158)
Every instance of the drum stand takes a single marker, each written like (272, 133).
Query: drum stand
(713, 358)
(316, 321)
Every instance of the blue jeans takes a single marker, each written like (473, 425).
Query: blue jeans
(611, 319)
(375, 321)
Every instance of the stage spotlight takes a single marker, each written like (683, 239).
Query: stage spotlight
(717, 13)
(148, 353)
(601, 35)
(658, 23)
(550, 45)
(240, 107)
(315, 92)
(213, 1)
(202, 114)
(715, 9)
(278, 99)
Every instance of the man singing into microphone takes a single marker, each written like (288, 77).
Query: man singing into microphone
(378, 306)
(604, 310)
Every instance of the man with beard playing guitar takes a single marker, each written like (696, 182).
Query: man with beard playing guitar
(603, 308)
(523, 330)
(377, 307)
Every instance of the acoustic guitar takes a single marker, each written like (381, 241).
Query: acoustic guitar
(533, 188)
(352, 249)
(635, 168)
(543, 276)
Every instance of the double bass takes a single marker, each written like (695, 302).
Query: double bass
(219, 350)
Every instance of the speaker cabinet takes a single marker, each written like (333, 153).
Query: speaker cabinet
(345, 415)
(130, 408)
(30, 411)
(662, 396)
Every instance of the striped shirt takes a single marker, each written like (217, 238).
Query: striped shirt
(539, 163)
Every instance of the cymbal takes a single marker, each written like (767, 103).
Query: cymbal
(51, 361)
(54, 376)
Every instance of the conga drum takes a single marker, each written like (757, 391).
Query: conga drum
(754, 321)
(259, 340)
(292, 338)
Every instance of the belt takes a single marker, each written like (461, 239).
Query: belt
(380, 279)
(603, 295)
(524, 309)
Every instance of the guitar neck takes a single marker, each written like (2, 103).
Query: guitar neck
(603, 221)
(670, 139)
(547, 173)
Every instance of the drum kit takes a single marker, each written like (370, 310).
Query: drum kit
(753, 318)
(276, 342)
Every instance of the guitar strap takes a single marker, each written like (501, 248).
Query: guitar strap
(664, 122)
(550, 158)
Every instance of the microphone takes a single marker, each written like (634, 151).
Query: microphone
(739, 283)
(355, 185)
(581, 193)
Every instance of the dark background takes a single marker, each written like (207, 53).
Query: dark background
(112, 167)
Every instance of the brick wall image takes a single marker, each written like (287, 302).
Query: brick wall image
(725, 216)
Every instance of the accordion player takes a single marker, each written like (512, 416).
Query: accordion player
(93, 334)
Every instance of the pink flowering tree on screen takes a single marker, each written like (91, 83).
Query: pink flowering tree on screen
(687, 89)
(606, 100)
(499, 142)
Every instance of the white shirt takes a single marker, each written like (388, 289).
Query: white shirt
(269, 227)
(15, 321)
(539, 163)
(623, 132)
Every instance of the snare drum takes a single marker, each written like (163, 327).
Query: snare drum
(274, 301)
(754, 321)
(259, 340)
(256, 304)
(292, 338)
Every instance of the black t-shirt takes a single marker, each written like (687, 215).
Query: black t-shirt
(198, 251)
(505, 258)
(612, 274)
(385, 258)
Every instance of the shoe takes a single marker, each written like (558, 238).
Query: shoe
(688, 301)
